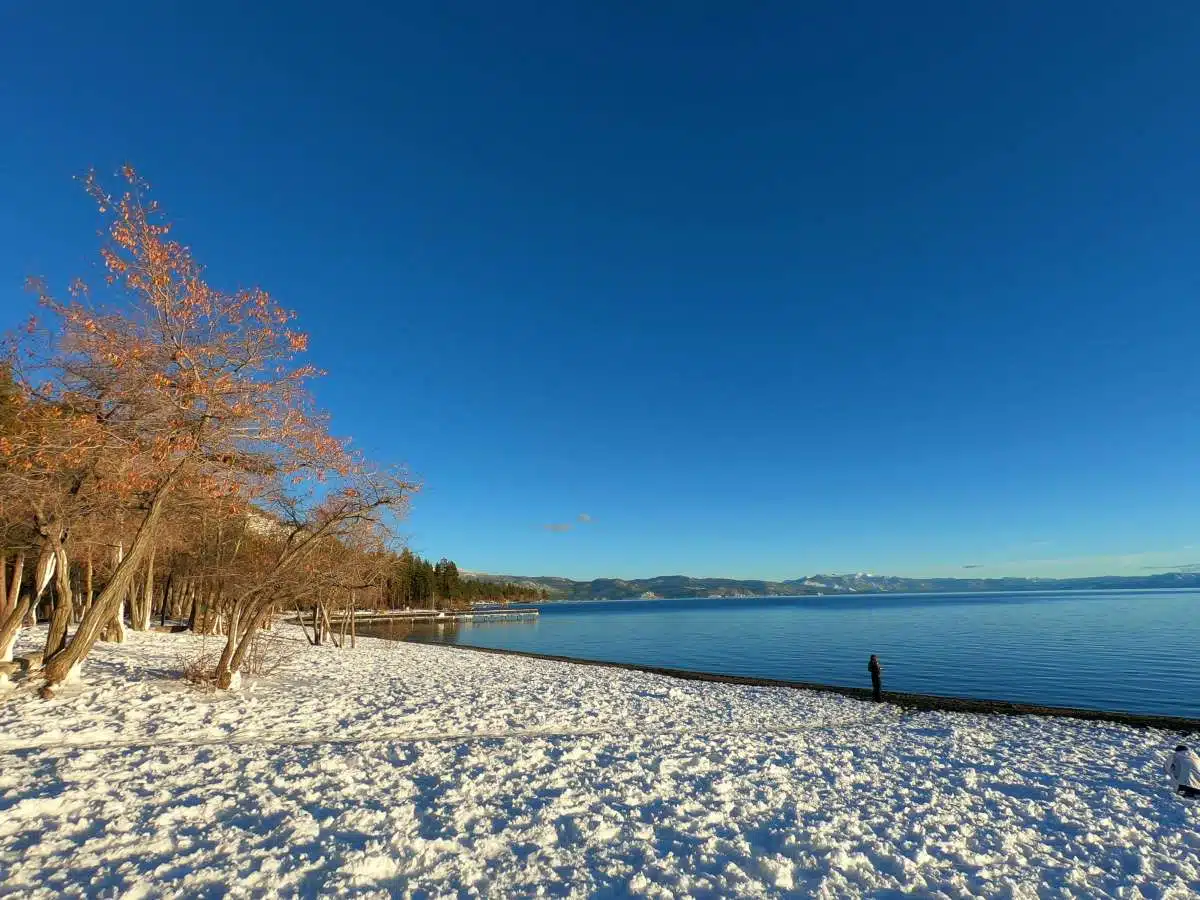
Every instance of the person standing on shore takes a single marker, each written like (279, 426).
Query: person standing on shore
(1184, 768)
(876, 671)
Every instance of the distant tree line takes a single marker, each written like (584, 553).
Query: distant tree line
(415, 582)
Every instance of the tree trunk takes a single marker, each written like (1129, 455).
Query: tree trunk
(162, 622)
(193, 607)
(56, 637)
(11, 627)
(227, 677)
(212, 600)
(3, 586)
(114, 629)
(14, 586)
(88, 582)
(223, 669)
(140, 614)
(203, 599)
(303, 625)
(135, 603)
(329, 628)
(353, 619)
(207, 598)
(11, 624)
(47, 563)
(148, 598)
(70, 657)
(43, 573)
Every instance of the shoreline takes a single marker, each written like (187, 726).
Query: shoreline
(399, 768)
(908, 700)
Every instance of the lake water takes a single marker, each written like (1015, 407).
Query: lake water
(1117, 650)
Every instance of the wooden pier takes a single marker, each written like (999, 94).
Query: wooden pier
(365, 617)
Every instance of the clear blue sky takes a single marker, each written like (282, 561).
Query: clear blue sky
(764, 289)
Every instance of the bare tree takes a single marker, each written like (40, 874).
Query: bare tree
(309, 552)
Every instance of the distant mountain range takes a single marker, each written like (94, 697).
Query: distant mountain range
(668, 586)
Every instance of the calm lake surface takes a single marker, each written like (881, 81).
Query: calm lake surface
(1117, 650)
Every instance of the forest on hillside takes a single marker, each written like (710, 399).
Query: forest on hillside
(414, 582)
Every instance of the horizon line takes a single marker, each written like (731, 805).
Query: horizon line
(1150, 573)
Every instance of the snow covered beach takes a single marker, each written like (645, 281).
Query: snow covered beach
(402, 769)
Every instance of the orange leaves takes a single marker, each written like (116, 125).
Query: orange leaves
(124, 234)
(113, 262)
(173, 383)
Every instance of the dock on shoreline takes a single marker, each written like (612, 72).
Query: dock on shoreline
(440, 615)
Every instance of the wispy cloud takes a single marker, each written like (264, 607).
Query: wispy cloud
(564, 527)
(1046, 565)
(1186, 567)
(1100, 564)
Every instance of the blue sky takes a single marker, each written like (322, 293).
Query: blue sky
(762, 289)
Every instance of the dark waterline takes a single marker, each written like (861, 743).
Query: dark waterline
(1132, 651)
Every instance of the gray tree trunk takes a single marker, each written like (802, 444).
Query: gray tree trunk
(329, 626)
(60, 618)
(303, 625)
(11, 623)
(166, 600)
(240, 646)
(193, 607)
(90, 594)
(231, 636)
(140, 613)
(14, 586)
(114, 629)
(69, 658)
(11, 627)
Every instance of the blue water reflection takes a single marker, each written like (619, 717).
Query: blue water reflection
(1117, 650)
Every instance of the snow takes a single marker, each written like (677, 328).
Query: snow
(400, 769)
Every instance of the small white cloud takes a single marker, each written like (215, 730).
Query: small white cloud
(584, 518)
